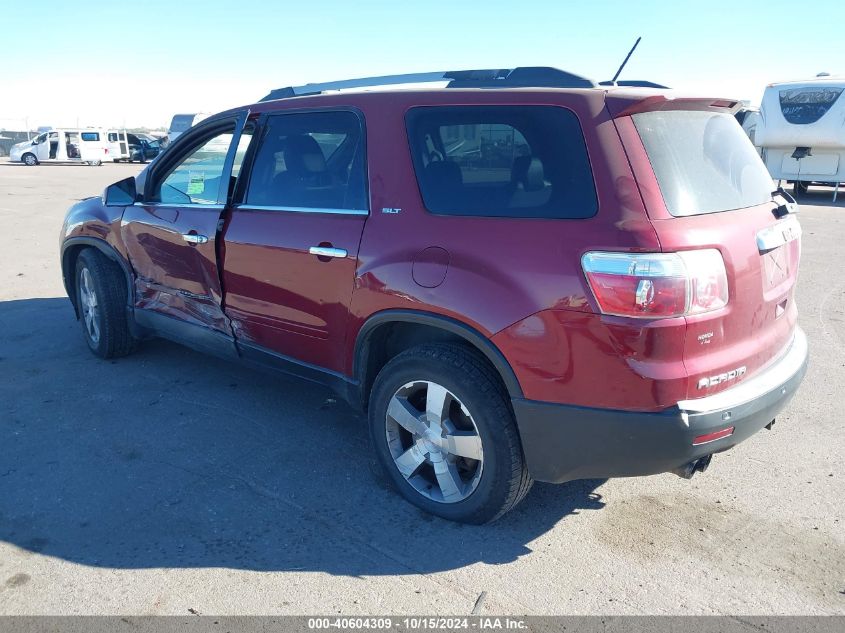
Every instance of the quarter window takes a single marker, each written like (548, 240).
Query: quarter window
(90, 136)
(502, 161)
(311, 160)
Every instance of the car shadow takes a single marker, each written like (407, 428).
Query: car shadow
(169, 458)
(821, 196)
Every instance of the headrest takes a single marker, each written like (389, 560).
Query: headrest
(444, 174)
(528, 171)
(303, 155)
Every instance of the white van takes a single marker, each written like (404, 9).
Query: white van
(183, 123)
(63, 145)
(118, 145)
(801, 131)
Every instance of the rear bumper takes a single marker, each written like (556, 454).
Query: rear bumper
(562, 443)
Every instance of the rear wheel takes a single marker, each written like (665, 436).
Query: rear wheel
(800, 187)
(101, 298)
(443, 430)
(29, 160)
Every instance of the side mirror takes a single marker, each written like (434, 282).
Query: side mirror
(121, 193)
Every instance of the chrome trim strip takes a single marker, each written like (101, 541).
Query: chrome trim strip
(255, 207)
(192, 205)
(772, 378)
(778, 234)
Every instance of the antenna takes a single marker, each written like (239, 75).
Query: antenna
(627, 57)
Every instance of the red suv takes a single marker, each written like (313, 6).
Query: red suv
(518, 275)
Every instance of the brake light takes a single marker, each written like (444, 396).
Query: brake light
(657, 285)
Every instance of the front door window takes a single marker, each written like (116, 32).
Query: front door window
(197, 178)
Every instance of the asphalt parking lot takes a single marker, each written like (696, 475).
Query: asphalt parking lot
(173, 483)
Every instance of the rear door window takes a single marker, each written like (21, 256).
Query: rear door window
(703, 161)
(311, 160)
(502, 161)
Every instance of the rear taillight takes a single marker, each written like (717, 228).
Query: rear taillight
(655, 285)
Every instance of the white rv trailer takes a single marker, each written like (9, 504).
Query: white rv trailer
(63, 145)
(183, 122)
(801, 131)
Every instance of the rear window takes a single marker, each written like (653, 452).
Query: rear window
(802, 106)
(502, 161)
(703, 161)
(181, 123)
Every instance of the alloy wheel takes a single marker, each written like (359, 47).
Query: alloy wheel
(434, 441)
(90, 306)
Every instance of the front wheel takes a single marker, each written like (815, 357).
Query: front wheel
(29, 160)
(101, 299)
(443, 430)
(801, 187)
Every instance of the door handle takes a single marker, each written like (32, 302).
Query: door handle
(193, 238)
(327, 251)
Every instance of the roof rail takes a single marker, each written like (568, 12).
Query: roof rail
(634, 83)
(523, 77)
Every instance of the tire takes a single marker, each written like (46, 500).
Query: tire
(800, 187)
(471, 403)
(29, 160)
(101, 298)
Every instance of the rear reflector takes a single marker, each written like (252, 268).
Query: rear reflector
(656, 285)
(712, 437)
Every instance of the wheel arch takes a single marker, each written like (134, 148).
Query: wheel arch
(71, 249)
(387, 333)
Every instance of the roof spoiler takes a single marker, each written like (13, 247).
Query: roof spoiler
(620, 105)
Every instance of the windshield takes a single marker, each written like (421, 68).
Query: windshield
(181, 122)
(703, 161)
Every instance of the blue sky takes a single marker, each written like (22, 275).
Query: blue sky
(136, 62)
